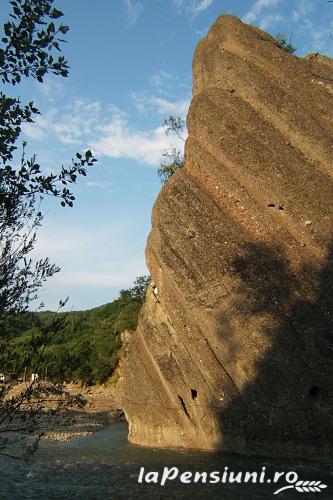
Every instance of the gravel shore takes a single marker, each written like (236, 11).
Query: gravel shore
(96, 407)
(68, 411)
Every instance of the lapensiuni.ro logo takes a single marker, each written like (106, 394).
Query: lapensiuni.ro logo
(229, 477)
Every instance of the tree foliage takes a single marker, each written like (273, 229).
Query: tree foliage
(29, 43)
(82, 346)
(30, 46)
(175, 125)
(30, 37)
(173, 160)
(138, 291)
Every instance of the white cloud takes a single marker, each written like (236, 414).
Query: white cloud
(200, 6)
(101, 185)
(315, 31)
(108, 134)
(35, 130)
(303, 9)
(134, 9)
(52, 89)
(106, 129)
(161, 78)
(252, 15)
(118, 140)
(319, 39)
(195, 7)
(154, 104)
(69, 125)
(270, 20)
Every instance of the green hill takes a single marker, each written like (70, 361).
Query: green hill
(80, 345)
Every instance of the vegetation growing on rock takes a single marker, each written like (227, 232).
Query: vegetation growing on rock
(173, 159)
(282, 42)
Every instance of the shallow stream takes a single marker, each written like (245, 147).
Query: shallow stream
(106, 466)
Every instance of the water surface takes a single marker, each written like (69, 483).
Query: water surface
(106, 466)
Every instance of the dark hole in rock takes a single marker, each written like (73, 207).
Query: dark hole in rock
(271, 205)
(183, 406)
(281, 207)
(314, 392)
(194, 394)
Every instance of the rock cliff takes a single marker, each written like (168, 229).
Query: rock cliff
(236, 350)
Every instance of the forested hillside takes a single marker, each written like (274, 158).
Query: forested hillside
(79, 345)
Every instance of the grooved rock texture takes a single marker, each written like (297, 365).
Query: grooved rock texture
(236, 353)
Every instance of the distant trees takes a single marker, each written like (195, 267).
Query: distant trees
(173, 160)
(31, 37)
(283, 44)
(82, 346)
(138, 291)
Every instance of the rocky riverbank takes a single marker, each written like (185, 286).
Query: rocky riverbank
(93, 408)
(60, 412)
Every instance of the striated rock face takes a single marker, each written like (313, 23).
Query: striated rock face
(237, 351)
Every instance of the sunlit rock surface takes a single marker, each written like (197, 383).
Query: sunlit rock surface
(236, 351)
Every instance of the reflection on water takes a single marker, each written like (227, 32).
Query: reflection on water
(105, 466)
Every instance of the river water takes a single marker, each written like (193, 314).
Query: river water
(105, 466)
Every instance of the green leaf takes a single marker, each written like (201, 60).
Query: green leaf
(7, 28)
(55, 14)
(63, 29)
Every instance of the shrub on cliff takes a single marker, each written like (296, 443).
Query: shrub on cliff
(173, 160)
(283, 44)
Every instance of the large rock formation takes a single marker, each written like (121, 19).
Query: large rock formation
(236, 352)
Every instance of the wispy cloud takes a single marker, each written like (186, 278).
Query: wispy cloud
(35, 130)
(146, 103)
(76, 120)
(133, 9)
(119, 140)
(316, 30)
(162, 78)
(100, 185)
(319, 39)
(107, 132)
(270, 20)
(195, 7)
(52, 89)
(302, 10)
(201, 5)
(305, 22)
(253, 14)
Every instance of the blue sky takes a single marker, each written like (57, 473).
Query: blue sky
(130, 68)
